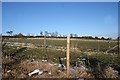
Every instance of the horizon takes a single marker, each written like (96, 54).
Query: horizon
(83, 18)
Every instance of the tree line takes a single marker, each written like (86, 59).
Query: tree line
(52, 35)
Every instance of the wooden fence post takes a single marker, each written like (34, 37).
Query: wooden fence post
(68, 55)
(45, 41)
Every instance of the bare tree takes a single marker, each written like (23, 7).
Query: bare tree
(9, 33)
(56, 34)
(41, 33)
(75, 35)
(71, 35)
(46, 33)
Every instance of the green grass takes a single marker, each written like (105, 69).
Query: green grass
(50, 54)
(83, 45)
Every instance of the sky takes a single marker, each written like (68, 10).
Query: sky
(0, 17)
(82, 18)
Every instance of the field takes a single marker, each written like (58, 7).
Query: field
(81, 44)
(94, 51)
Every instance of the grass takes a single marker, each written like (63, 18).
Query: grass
(85, 47)
(24, 54)
(82, 45)
(50, 54)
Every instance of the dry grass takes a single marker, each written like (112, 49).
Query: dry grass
(22, 69)
(109, 73)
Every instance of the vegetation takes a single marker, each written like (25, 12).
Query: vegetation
(92, 50)
(50, 54)
(81, 44)
(53, 34)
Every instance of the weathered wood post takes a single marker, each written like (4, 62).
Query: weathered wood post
(45, 41)
(68, 55)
